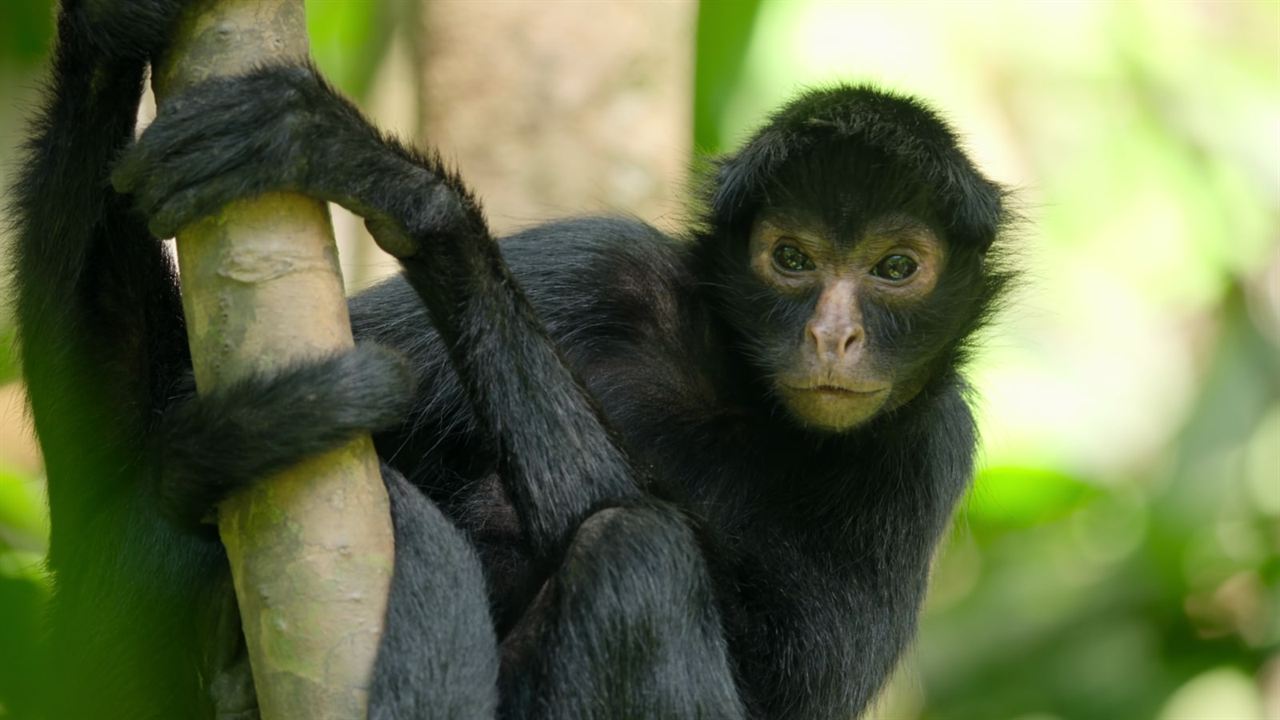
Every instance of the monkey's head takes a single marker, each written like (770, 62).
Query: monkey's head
(849, 247)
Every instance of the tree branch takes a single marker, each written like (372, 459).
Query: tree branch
(311, 549)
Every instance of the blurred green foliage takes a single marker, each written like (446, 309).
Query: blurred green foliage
(724, 32)
(1120, 554)
(25, 31)
(350, 39)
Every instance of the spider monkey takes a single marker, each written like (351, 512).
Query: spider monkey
(632, 475)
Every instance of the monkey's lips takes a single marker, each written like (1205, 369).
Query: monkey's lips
(840, 391)
(833, 407)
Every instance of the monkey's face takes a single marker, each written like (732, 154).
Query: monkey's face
(836, 335)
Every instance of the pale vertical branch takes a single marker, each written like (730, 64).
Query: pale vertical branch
(310, 549)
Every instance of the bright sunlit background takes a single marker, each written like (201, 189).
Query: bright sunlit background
(1120, 554)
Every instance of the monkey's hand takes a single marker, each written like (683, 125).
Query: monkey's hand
(279, 128)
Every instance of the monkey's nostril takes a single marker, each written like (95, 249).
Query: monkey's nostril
(852, 338)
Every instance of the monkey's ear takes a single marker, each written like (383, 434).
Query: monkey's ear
(731, 191)
(739, 179)
(977, 209)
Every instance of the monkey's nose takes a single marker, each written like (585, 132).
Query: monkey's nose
(834, 340)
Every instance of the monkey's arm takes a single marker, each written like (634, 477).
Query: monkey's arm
(283, 128)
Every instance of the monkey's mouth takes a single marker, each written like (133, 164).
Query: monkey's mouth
(841, 391)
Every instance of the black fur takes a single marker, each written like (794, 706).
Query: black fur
(271, 419)
(600, 510)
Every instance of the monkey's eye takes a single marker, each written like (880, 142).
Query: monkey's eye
(895, 268)
(789, 258)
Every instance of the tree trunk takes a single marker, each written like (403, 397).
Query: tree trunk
(310, 549)
(554, 109)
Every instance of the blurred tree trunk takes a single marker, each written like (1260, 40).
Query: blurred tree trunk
(561, 108)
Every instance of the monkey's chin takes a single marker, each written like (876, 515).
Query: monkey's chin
(833, 410)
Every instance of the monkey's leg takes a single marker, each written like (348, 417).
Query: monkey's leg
(438, 657)
(626, 628)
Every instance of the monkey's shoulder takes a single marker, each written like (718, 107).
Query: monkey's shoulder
(622, 301)
(617, 296)
(605, 280)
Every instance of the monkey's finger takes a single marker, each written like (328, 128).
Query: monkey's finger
(166, 216)
(169, 210)
(163, 138)
(174, 185)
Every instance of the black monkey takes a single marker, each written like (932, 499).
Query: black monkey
(631, 475)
